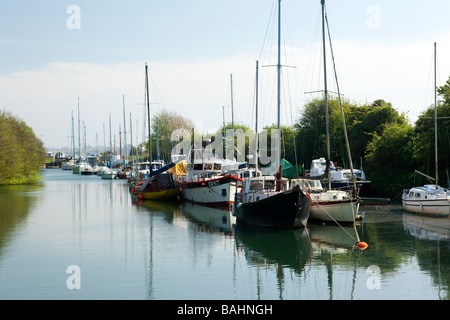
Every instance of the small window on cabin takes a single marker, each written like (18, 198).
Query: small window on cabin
(217, 166)
(198, 166)
(256, 185)
(208, 166)
(269, 184)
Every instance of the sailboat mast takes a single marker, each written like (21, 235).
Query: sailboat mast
(79, 134)
(110, 144)
(232, 103)
(435, 121)
(73, 138)
(148, 118)
(125, 129)
(327, 121)
(256, 112)
(279, 87)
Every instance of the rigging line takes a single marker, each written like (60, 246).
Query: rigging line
(340, 104)
(156, 89)
(267, 29)
(322, 207)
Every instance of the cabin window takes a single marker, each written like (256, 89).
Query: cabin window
(269, 184)
(198, 166)
(208, 166)
(217, 166)
(256, 185)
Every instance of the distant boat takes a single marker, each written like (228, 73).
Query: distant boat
(430, 199)
(340, 178)
(87, 170)
(108, 174)
(68, 165)
(78, 167)
(157, 185)
(160, 187)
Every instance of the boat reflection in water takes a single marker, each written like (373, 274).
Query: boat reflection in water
(208, 218)
(333, 237)
(287, 248)
(425, 227)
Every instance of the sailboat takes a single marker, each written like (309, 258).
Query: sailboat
(79, 165)
(430, 199)
(108, 173)
(331, 205)
(269, 201)
(158, 185)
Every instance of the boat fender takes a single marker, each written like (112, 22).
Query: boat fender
(361, 245)
(141, 196)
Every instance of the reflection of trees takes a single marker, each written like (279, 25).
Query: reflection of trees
(388, 245)
(15, 204)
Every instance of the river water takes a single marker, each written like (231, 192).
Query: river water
(80, 237)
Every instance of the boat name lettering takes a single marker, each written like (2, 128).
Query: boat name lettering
(213, 183)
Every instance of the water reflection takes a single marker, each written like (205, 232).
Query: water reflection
(180, 250)
(16, 202)
(289, 248)
(168, 210)
(430, 228)
(433, 235)
(208, 219)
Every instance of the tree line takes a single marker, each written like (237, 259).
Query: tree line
(21, 152)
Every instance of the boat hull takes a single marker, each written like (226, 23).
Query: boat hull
(211, 192)
(427, 200)
(332, 211)
(167, 194)
(437, 208)
(289, 209)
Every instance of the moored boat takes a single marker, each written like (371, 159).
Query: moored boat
(430, 199)
(329, 205)
(261, 204)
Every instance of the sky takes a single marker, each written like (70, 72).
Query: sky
(53, 52)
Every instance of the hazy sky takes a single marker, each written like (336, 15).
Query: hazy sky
(52, 52)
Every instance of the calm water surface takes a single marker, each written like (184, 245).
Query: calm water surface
(147, 250)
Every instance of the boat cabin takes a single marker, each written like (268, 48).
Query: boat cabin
(308, 185)
(318, 167)
(422, 193)
(337, 174)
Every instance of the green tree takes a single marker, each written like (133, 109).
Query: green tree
(163, 124)
(21, 152)
(390, 158)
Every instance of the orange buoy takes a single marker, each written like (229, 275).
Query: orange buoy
(361, 245)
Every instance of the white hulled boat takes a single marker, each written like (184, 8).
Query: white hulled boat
(429, 199)
(205, 182)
